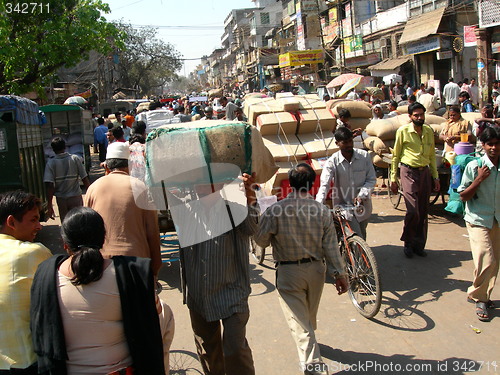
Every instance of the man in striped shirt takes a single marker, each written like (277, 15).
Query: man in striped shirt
(217, 286)
(304, 242)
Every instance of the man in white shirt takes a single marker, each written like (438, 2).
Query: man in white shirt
(474, 92)
(450, 93)
(353, 178)
(429, 101)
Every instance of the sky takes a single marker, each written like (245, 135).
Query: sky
(201, 23)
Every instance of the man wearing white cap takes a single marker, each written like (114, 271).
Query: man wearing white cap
(131, 222)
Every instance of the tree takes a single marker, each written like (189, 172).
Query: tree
(146, 63)
(38, 39)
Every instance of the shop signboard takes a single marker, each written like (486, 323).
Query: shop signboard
(470, 36)
(297, 58)
(309, 6)
(444, 55)
(330, 32)
(366, 60)
(495, 48)
(424, 45)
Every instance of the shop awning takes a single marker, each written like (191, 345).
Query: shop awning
(390, 64)
(421, 26)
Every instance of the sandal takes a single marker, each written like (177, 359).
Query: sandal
(482, 311)
(490, 304)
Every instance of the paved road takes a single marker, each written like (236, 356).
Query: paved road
(425, 325)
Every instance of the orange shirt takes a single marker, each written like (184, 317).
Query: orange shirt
(130, 120)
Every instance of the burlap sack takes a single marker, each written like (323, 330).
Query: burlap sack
(277, 123)
(471, 116)
(215, 93)
(357, 108)
(379, 162)
(383, 129)
(436, 128)
(403, 109)
(359, 122)
(333, 102)
(377, 145)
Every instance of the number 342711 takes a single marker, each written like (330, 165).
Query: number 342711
(27, 8)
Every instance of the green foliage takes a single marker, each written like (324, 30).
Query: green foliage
(146, 62)
(35, 44)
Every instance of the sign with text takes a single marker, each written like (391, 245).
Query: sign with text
(297, 58)
(423, 45)
(470, 36)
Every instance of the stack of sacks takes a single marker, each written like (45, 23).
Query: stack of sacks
(284, 102)
(180, 155)
(278, 133)
(315, 132)
(279, 184)
(382, 134)
(215, 93)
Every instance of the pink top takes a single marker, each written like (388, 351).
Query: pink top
(93, 327)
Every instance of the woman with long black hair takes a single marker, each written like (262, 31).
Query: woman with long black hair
(91, 315)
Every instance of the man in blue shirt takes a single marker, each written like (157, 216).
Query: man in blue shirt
(480, 189)
(100, 139)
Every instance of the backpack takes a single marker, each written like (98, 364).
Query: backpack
(455, 205)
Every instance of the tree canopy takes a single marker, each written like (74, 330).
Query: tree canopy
(146, 63)
(36, 41)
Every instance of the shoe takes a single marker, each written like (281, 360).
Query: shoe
(408, 251)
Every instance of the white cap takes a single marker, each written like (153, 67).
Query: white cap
(118, 150)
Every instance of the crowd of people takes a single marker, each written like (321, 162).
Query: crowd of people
(96, 309)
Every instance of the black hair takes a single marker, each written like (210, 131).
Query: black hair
(100, 121)
(58, 144)
(430, 89)
(117, 132)
(393, 103)
(413, 106)
(118, 114)
(136, 138)
(376, 101)
(110, 126)
(344, 112)
(464, 94)
(16, 203)
(116, 163)
(450, 79)
(454, 108)
(488, 134)
(412, 97)
(342, 134)
(302, 177)
(83, 232)
(139, 127)
(154, 105)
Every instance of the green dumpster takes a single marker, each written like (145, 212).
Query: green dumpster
(22, 160)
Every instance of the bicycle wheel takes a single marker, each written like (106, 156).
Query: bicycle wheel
(258, 252)
(394, 198)
(364, 280)
(183, 362)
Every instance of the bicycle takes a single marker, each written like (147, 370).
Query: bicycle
(365, 289)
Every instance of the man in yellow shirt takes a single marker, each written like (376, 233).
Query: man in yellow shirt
(19, 259)
(414, 157)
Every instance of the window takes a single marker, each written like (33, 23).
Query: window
(264, 18)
